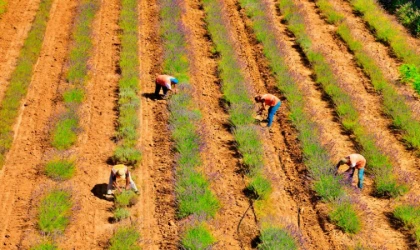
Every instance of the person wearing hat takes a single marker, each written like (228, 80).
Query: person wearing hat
(354, 161)
(166, 83)
(120, 172)
(271, 101)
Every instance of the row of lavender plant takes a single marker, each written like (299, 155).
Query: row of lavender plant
(388, 32)
(55, 207)
(127, 237)
(386, 181)
(394, 104)
(326, 183)
(193, 193)
(128, 101)
(21, 78)
(237, 94)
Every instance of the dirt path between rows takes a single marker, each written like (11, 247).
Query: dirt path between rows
(221, 159)
(157, 207)
(14, 27)
(22, 174)
(91, 227)
(381, 54)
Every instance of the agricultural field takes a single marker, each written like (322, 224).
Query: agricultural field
(77, 83)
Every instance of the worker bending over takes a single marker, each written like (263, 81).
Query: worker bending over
(354, 161)
(271, 101)
(120, 172)
(166, 83)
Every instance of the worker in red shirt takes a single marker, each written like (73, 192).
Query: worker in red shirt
(271, 101)
(354, 161)
(165, 82)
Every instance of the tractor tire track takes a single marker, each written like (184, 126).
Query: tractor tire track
(14, 27)
(21, 174)
(91, 227)
(157, 206)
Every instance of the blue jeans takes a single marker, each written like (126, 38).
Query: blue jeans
(361, 173)
(271, 112)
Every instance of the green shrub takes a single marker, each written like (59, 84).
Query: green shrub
(328, 187)
(125, 198)
(260, 187)
(386, 185)
(273, 238)
(125, 238)
(127, 155)
(344, 216)
(45, 246)
(64, 134)
(54, 211)
(121, 213)
(409, 15)
(60, 169)
(194, 195)
(75, 95)
(409, 215)
(197, 238)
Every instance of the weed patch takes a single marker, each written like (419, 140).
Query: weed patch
(54, 211)
(21, 77)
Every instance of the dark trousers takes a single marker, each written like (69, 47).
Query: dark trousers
(157, 90)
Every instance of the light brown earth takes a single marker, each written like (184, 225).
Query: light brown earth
(235, 226)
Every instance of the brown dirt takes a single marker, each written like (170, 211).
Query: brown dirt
(21, 172)
(90, 227)
(221, 162)
(156, 211)
(14, 28)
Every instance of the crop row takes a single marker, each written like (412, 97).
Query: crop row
(194, 196)
(385, 30)
(127, 237)
(21, 78)
(128, 102)
(54, 210)
(409, 215)
(386, 182)
(317, 159)
(237, 95)
(394, 104)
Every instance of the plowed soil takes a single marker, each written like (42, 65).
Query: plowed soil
(237, 224)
